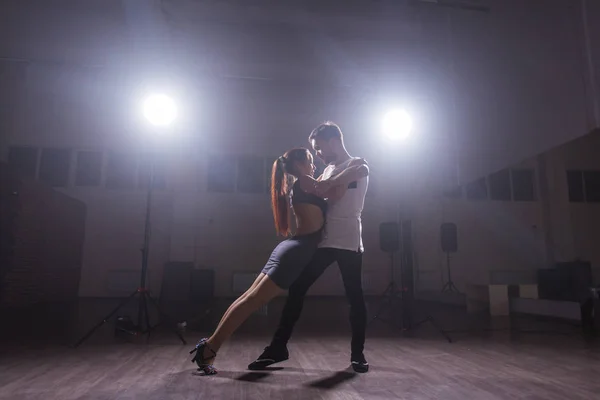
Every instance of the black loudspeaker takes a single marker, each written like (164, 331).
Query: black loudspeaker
(389, 240)
(449, 237)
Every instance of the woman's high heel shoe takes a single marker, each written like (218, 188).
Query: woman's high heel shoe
(200, 360)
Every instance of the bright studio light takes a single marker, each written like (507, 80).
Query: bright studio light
(397, 125)
(159, 110)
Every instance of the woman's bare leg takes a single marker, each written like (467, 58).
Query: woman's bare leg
(260, 295)
(256, 282)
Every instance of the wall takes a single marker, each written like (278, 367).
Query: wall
(509, 236)
(493, 236)
(42, 242)
(590, 11)
(227, 232)
(583, 218)
(467, 78)
(233, 232)
(462, 73)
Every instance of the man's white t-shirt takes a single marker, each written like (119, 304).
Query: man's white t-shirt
(343, 226)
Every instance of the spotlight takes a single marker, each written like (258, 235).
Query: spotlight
(397, 125)
(159, 110)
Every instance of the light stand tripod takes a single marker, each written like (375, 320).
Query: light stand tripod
(143, 319)
(449, 286)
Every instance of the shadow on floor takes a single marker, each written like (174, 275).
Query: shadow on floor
(333, 381)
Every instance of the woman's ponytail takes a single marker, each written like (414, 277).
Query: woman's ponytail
(279, 197)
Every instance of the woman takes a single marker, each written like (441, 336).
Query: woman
(290, 256)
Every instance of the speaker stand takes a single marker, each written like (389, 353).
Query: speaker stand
(392, 295)
(433, 322)
(405, 326)
(390, 304)
(449, 286)
(407, 313)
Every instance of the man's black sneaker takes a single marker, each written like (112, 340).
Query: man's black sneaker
(359, 363)
(270, 356)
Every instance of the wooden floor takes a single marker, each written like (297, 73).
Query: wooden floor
(497, 366)
(318, 369)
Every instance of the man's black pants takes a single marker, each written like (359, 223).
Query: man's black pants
(350, 263)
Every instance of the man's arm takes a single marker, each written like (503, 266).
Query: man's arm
(359, 169)
(350, 174)
(356, 162)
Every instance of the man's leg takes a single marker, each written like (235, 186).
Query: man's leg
(277, 350)
(322, 259)
(350, 263)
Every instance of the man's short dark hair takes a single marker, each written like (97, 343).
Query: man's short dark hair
(327, 130)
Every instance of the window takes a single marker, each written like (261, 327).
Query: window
(250, 175)
(523, 185)
(89, 168)
(477, 190)
(221, 173)
(23, 160)
(576, 188)
(500, 185)
(54, 167)
(591, 183)
(121, 171)
(152, 162)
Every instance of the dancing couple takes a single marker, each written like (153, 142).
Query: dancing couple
(328, 228)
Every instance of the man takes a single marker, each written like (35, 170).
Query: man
(342, 242)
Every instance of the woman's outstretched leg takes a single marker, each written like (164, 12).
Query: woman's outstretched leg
(261, 294)
(256, 282)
